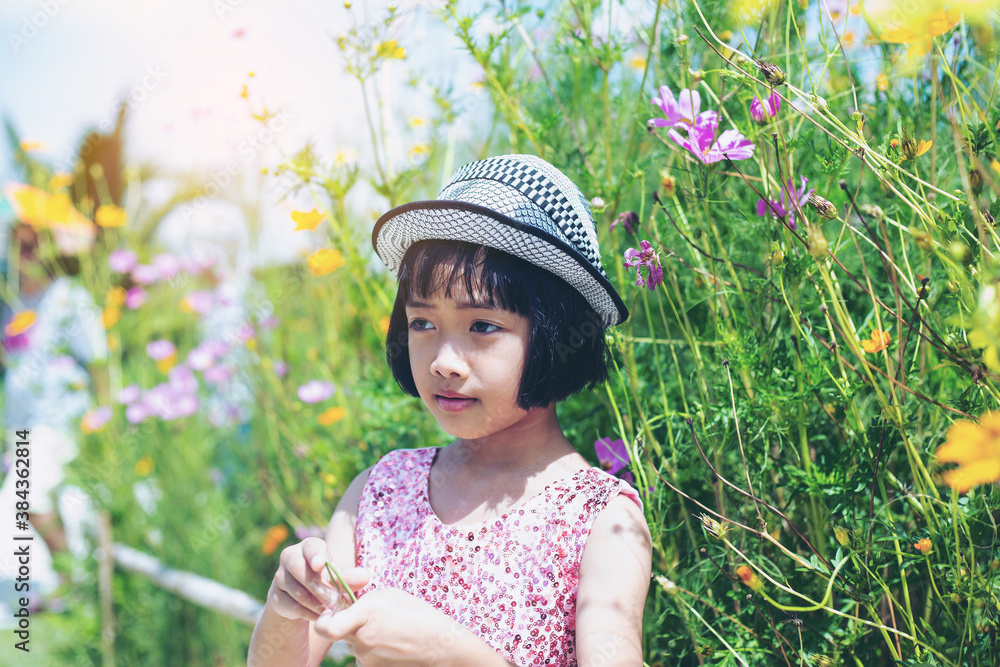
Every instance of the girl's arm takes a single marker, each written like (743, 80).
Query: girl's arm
(614, 579)
(279, 641)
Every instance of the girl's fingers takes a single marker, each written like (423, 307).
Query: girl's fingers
(288, 607)
(315, 553)
(301, 594)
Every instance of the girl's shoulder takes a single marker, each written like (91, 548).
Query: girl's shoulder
(402, 464)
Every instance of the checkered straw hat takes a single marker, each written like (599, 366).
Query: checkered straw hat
(519, 204)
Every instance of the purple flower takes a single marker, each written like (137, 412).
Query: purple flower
(136, 412)
(94, 420)
(280, 369)
(144, 274)
(122, 260)
(198, 302)
(701, 135)
(645, 258)
(168, 403)
(166, 266)
(182, 380)
(681, 111)
(784, 206)
(613, 455)
(762, 111)
(17, 342)
(158, 350)
(200, 358)
(217, 375)
(135, 297)
(129, 394)
(315, 391)
(268, 322)
(628, 219)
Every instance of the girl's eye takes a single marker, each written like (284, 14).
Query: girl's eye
(482, 327)
(418, 325)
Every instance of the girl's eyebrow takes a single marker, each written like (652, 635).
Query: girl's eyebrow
(461, 305)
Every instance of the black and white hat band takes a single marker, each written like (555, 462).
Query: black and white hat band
(519, 204)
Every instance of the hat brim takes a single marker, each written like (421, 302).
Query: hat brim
(404, 225)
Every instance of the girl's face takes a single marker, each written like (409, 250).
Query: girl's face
(467, 362)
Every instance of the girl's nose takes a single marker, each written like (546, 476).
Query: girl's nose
(449, 362)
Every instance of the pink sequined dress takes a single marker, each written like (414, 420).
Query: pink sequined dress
(512, 580)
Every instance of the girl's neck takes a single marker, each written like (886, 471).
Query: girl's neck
(527, 448)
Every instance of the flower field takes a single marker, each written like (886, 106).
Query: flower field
(797, 201)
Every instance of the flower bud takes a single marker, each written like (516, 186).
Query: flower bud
(843, 537)
(668, 183)
(924, 546)
(750, 578)
(777, 254)
(772, 73)
(598, 203)
(960, 252)
(975, 181)
(817, 242)
(824, 207)
(667, 585)
(873, 210)
(698, 76)
(713, 527)
(908, 146)
(822, 660)
(681, 40)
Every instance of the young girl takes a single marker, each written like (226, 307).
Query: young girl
(505, 547)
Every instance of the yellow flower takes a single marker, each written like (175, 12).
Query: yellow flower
(878, 342)
(749, 577)
(109, 215)
(331, 416)
(416, 121)
(750, 11)
(976, 448)
(420, 150)
(383, 324)
(60, 181)
(923, 546)
(638, 62)
(324, 261)
(328, 478)
(20, 323)
(31, 146)
(308, 220)
(275, 536)
(164, 365)
(882, 82)
(110, 316)
(389, 49)
(243, 93)
(115, 296)
(915, 28)
(995, 166)
(345, 156)
(144, 466)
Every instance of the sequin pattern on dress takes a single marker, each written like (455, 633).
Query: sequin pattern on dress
(512, 580)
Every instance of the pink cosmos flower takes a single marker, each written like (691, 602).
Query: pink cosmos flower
(129, 394)
(136, 412)
(94, 420)
(784, 206)
(280, 369)
(315, 391)
(182, 380)
(144, 274)
(217, 375)
(199, 302)
(645, 258)
(702, 144)
(158, 350)
(167, 266)
(122, 260)
(762, 111)
(135, 297)
(679, 112)
(614, 458)
(629, 220)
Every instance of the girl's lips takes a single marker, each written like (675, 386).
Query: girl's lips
(454, 404)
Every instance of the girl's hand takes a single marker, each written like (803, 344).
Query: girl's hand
(300, 589)
(390, 627)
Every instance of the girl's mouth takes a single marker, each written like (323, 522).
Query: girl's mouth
(454, 404)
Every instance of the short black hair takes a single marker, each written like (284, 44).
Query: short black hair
(566, 351)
